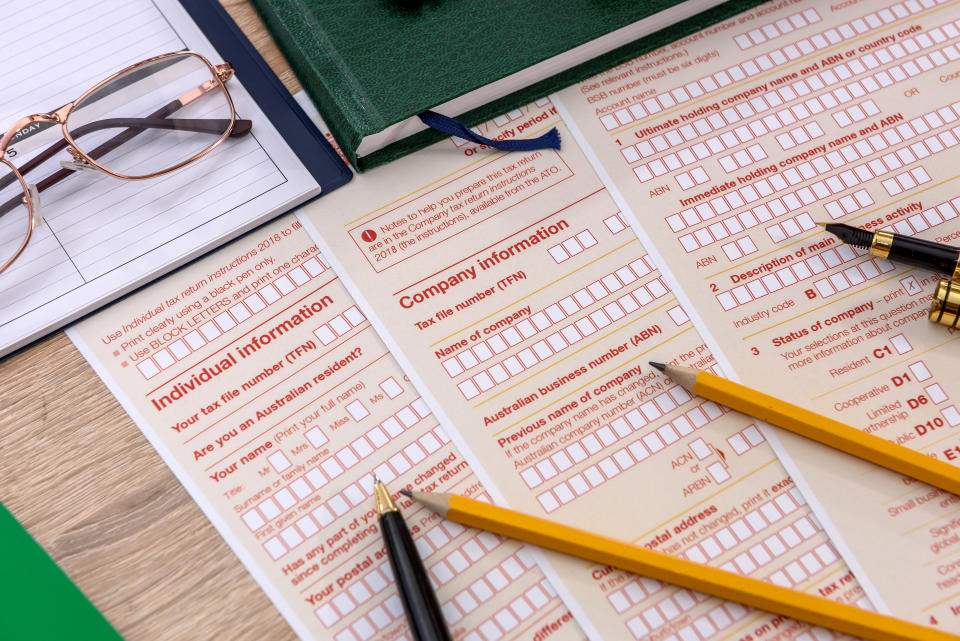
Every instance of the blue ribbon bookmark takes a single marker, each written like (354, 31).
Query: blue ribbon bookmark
(449, 126)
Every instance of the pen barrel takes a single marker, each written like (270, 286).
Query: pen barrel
(924, 253)
(417, 595)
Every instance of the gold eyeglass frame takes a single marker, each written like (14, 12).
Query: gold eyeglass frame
(220, 74)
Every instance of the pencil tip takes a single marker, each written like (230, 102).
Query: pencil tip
(659, 366)
(407, 493)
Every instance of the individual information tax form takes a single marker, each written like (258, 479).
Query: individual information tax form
(524, 309)
(723, 150)
(279, 406)
(115, 235)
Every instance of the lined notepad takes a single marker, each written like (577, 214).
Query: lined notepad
(102, 236)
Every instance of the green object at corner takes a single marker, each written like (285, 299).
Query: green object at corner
(38, 601)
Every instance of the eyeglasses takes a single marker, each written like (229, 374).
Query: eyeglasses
(123, 127)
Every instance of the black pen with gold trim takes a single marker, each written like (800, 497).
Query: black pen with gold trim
(916, 252)
(901, 249)
(416, 593)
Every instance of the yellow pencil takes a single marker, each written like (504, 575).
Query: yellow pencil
(686, 574)
(819, 428)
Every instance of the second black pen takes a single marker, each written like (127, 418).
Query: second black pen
(901, 249)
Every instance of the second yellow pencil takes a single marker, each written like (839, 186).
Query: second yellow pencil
(814, 426)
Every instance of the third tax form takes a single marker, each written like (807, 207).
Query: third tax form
(724, 166)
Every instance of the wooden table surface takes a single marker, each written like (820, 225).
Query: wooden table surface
(80, 476)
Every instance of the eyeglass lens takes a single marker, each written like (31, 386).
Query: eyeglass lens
(153, 117)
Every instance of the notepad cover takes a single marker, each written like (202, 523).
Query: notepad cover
(372, 63)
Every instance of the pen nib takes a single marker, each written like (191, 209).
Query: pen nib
(382, 497)
(824, 225)
(407, 493)
(659, 366)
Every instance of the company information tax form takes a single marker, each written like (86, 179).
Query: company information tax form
(524, 308)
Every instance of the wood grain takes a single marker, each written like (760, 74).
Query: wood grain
(80, 476)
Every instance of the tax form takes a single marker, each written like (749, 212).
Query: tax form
(723, 150)
(108, 236)
(524, 309)
(270, 396)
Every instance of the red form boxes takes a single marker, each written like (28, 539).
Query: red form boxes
(615, 223)
(468, 600)
(457, 560)
(557, 341)
(391, 387)
(362, 590)
(906, 181)
(615, 460)
(927, 218)
(809, 267)
(545, 318)
(344, 459)
(835, 183)
(741, 247)
(837, 73)
(762, 63)
(572, 246)
(338, 504)
(693, 178)
(856, 113)
(704, 627)
(756, 522)
(791, 227)
(230, 319)
(837, 159)
(279, 461)
(517, 612)
(776, 29)
(816, 104)
(800, 135)
(735, 534)
(339, 325)
(743, 158)
(746, 439)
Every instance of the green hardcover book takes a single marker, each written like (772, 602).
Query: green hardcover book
(38, 602)
(372, 65)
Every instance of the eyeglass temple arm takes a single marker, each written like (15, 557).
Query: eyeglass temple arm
(134, 127)
(208, 125)
(224, 72)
